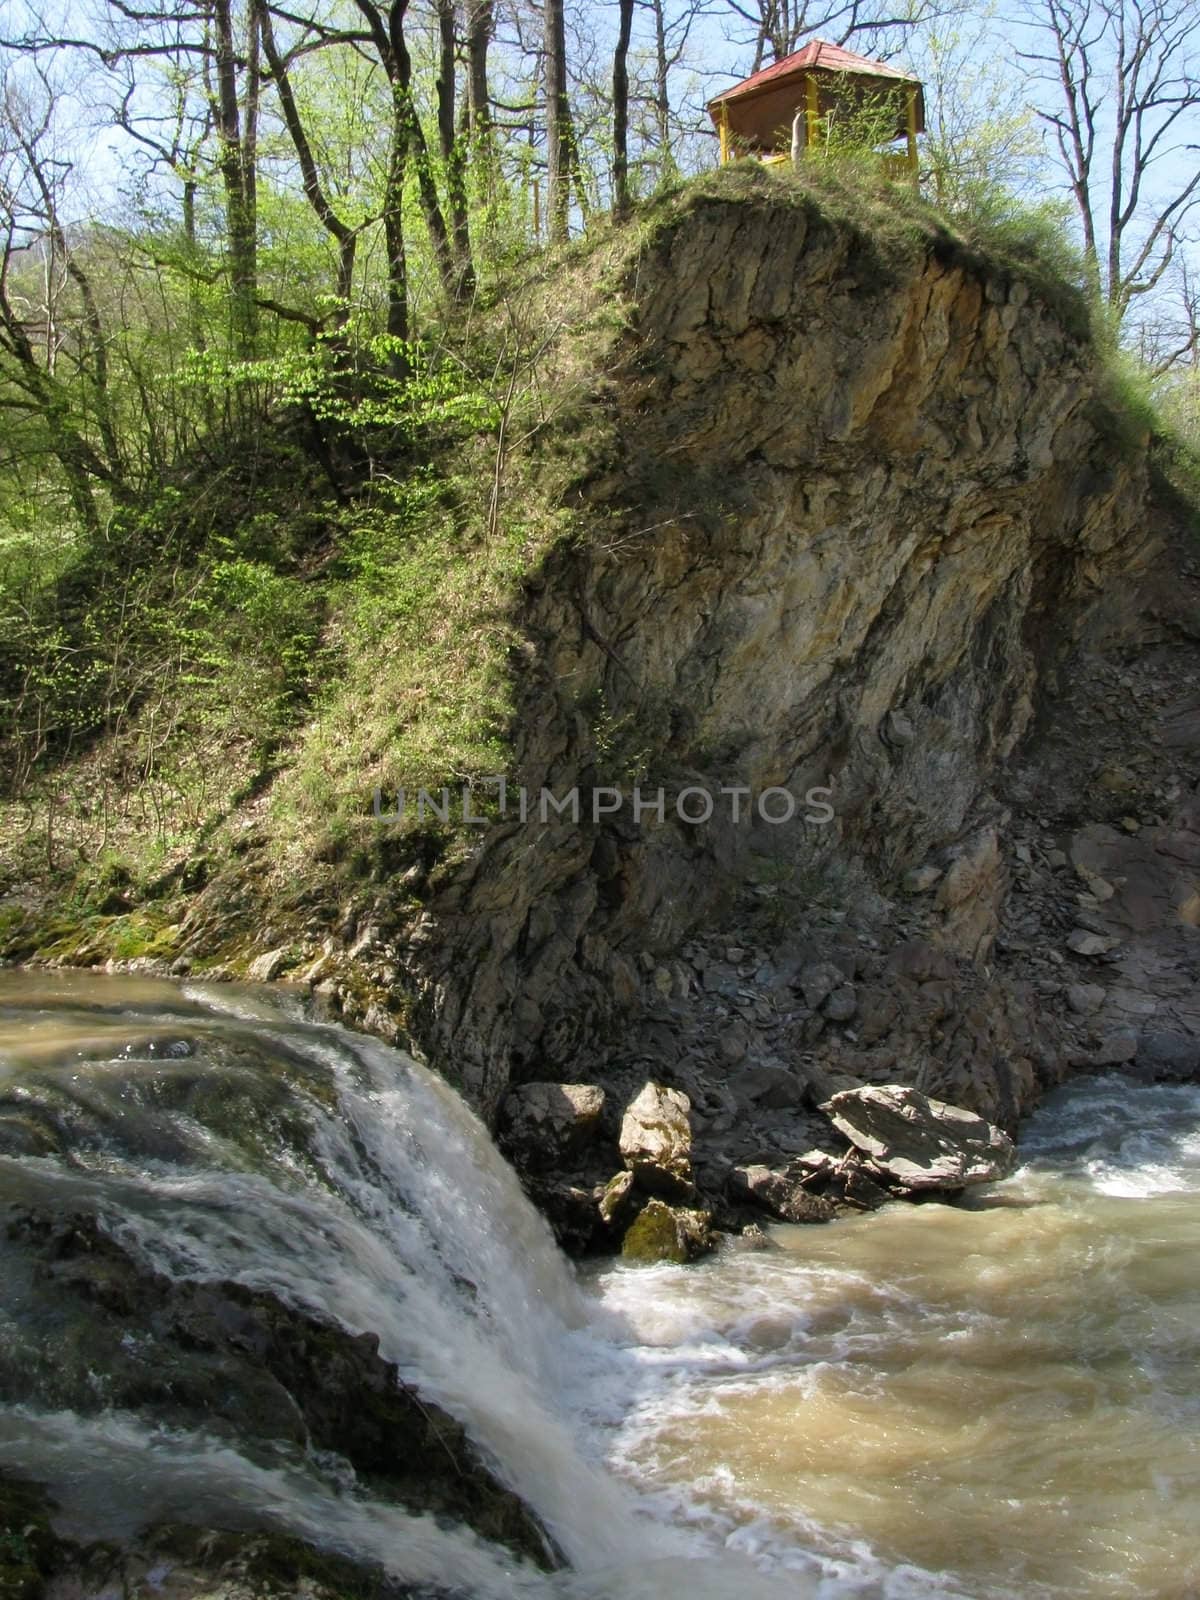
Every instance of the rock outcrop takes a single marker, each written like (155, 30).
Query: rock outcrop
(854, 505)
(919, 1144)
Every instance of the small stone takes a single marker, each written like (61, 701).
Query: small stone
(1084, 998)
(841, 1004)
(662, 982)
(1130, 824)
(754, 1238)
(733, 1042)
(1084, 943)
(1024, 855)
(1056, 859)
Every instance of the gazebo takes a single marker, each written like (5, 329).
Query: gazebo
(786, 108)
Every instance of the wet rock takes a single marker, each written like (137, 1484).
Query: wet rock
(780, 1192)
(921, 1143)
(857, 1188)
(656, 1141)
(240, 1363)
(570, 1209)
(1169, 1055)
(545, 1124)
(668, 1233)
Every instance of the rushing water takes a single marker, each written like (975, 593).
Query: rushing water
(989, 1400)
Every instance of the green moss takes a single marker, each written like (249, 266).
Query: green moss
(655, 1236)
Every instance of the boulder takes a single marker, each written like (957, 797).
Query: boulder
(544, 1124)
(266, 968)
(920, 1143)
(656, 1141)
(780, 1192)
(668, 1233)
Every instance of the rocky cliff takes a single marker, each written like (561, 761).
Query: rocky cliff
(854, 512)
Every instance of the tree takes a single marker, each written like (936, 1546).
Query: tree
(1119, 88)
(54, 365)
(777, 27)
(620, 100)
(982, 137)
(558, 122)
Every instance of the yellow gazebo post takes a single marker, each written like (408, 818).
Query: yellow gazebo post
(811, 113)
(913, 164)
(724, 131)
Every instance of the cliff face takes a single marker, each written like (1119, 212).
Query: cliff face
(854, 514)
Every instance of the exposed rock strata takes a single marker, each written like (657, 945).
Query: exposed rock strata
(880, 501)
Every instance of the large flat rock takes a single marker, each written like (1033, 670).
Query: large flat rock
(921, 1143)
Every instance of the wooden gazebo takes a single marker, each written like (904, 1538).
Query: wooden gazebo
(786, 108)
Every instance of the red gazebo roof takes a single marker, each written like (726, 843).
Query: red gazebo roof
(816, 54)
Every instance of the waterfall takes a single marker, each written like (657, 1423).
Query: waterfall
(360, 1188)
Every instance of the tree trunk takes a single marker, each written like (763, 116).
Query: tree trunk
(662, 96)
(480, 23)
(393, 225)
(454, 154)
(239, 196)
(621, 201)
(558, 114)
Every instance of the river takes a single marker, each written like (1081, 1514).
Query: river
(988, 1400)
